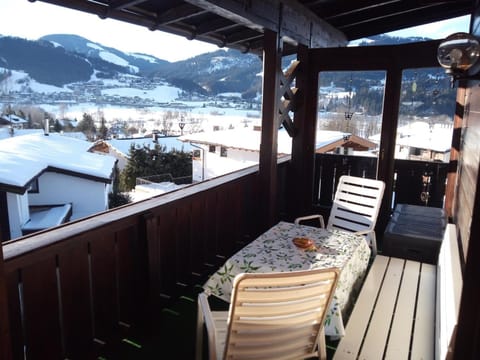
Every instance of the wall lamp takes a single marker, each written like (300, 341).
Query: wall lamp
(458, 54)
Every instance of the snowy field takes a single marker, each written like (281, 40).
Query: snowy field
(196, 116)
(205, 114)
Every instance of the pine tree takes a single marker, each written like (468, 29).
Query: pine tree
(87, 126)
(103, 131)
(145, 161)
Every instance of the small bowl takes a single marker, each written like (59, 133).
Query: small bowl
(304, 243)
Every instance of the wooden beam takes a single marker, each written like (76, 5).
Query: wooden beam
(4, 221)
(385, 169)
(178, 13)
(5, 339)
(122, 4)
(303, 143)
(269, 137)
(216, 25)
(294, 21)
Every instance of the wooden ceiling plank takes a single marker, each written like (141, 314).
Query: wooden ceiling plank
(394, 20)
(179, 13)
(242, 36)
(386, 14)
(365, 8)
(122, 4)
(219, 24)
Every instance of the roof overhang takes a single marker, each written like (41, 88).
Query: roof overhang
(241, 24)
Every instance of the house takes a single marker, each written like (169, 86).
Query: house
(12, 121)
(120, 148)
(420, 140)
(49, 180)
(220, 152)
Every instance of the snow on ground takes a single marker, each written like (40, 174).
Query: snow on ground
(20, 81)
(145, 57)
(160, 93)
(197, 116)
(142, 192)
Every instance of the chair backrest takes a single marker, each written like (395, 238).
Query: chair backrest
(278, 315)
(356, 204)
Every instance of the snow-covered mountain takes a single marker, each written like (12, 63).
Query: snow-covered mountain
(63, 59)
(132, 62)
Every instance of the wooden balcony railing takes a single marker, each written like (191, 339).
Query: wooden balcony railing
(415, 182)
(86, 284)
(81, 287)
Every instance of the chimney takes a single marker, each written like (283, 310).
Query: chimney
(47, 125)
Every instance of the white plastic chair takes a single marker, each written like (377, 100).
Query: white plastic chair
(271, 316)
(355, 207)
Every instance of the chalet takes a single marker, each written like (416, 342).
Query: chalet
(51, 179)
(120, 148)
(430, 143)
(12, 121)
(106, 286)
(422, 141)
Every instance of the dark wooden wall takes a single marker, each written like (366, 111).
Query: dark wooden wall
(467, 217)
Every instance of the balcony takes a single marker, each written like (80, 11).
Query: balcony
(109, 284)
(104, 286)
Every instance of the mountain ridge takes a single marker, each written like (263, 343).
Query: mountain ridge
(77, 59)
(66, 60)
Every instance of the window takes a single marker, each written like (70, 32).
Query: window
(211, 148)
(223, 151)
(32, 187)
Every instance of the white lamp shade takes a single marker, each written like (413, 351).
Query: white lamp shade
(458, 52)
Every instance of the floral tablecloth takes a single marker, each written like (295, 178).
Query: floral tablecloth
(274, 251)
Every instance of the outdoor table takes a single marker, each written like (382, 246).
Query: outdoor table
(274, 251)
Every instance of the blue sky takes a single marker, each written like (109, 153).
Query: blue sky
(21, 18)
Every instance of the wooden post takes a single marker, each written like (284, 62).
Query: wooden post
(385, 170)
(303, 144)
(4, 222)
(5, 341)
(269, 137)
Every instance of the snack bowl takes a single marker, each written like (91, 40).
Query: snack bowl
(304, 243)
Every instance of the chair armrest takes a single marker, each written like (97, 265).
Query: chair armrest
(309, 217)
(371, 238)
(204, 317)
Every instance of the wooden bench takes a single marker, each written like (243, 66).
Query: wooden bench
(406, 309)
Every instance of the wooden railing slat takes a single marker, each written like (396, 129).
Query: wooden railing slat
(41, 310)
(73, 269)
(104, 290)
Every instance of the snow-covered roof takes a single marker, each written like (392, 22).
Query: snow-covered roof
(22, 158)
(7, 133)
(147, 191)
(170, 142)
(249, 139)
(422, 135)
(13, 119)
